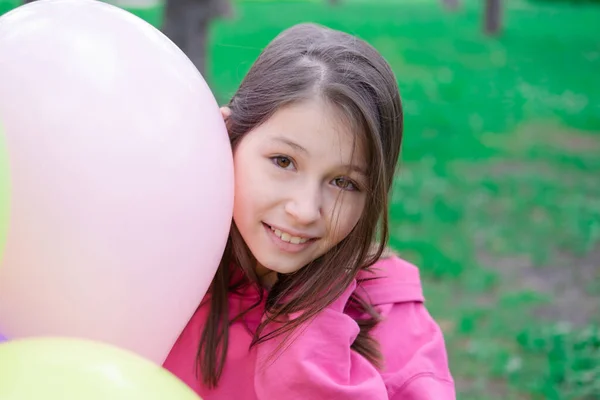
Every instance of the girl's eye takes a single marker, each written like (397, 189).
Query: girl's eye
(345, 184)
(282, 162)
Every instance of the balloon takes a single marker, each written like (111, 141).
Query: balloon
(4, 195)
(62, 369)
(120, 178)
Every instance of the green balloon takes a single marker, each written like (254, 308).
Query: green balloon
(4, 192)
(76, 369)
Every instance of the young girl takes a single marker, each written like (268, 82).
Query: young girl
(305, 303)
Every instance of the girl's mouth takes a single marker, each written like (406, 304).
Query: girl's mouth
(288, 241)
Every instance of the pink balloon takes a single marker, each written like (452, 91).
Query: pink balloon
(120, 178)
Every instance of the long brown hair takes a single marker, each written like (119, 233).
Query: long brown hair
(305, 61)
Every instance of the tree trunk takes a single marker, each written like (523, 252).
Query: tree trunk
(493, 16)
(451, 5)
(187, 24)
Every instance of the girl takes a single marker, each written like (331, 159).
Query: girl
(304, 305)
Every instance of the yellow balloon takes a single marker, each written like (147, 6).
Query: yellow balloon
(76, 369)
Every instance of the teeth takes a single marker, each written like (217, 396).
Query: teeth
(286, 237)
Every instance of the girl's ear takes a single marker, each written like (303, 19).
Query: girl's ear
(226, 113)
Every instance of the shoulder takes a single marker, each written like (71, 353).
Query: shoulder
(426, 387)
(414, 351)
(411, 341)
(390, 280)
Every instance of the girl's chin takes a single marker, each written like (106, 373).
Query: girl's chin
(278, 269)
(278, 265)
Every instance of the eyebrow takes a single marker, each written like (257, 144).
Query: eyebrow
(356, 169)
(291, 144)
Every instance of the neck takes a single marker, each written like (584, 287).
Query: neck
(266, 277)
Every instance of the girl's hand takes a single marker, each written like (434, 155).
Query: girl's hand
(226, 113)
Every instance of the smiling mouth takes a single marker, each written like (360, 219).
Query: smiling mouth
(288, 238)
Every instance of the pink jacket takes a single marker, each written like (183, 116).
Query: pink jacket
(318, 363)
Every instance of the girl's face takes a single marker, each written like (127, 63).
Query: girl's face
(300, 186)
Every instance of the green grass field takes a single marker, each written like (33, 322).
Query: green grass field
(498, 200)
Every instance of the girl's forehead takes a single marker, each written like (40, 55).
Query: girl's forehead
(316, 129)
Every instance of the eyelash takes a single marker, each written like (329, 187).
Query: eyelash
(275, 160)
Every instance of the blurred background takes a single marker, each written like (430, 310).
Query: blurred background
(498, 197)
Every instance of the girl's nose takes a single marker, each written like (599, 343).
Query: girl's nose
(305, 205)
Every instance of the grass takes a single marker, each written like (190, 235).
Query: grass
(499, 192)
(7, 5)
(498, 199)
